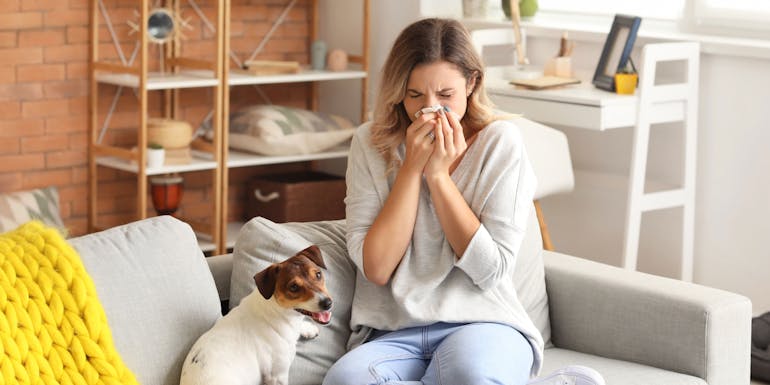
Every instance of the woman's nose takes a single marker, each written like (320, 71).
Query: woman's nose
(431, 101)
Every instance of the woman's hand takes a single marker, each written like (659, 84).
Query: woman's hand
(448, 147)
(419, 144)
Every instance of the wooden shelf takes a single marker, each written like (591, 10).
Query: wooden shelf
(238, 78)
(162, 81)
(201, 78)
(197, 164)
(244, 159)
(234, 159)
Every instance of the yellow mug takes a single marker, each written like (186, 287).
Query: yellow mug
(626, 83)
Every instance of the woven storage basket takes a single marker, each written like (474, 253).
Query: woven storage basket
(169, 133)
(297, 197)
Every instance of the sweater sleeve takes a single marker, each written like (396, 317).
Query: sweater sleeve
(362, 201)
(507, 185)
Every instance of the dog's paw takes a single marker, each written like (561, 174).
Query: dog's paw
(308, 330)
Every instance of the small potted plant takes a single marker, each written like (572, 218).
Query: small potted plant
(156, 155)
(626, 79)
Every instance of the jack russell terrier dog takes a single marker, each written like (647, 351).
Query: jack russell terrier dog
(255, 342)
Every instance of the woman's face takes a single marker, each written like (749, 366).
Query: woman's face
(437, 83)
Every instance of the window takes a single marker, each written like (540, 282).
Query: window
(656, 9)
(733, 14)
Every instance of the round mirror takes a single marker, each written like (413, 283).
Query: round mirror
(160, 25)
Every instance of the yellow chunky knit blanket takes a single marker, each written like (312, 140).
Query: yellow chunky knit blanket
(53, 330)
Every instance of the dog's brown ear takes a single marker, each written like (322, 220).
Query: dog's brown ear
(265, 281)
(314, 254)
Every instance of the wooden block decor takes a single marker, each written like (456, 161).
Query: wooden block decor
(271, 67)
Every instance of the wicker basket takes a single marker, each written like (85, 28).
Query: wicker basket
(169, 133)
(297, 197)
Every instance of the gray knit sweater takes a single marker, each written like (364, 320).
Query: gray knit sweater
(431, 284)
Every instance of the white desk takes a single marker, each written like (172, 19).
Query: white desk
(581, 106)
(584, 106)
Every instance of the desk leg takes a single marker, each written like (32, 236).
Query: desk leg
(639, 202)
(636, 192)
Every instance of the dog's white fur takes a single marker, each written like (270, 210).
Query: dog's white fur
(254, 343)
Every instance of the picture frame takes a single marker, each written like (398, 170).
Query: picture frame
(616, 51)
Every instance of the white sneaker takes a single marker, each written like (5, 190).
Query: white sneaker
(570, 375)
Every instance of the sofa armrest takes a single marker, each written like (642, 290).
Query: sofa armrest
(221, 267)
(651, 320)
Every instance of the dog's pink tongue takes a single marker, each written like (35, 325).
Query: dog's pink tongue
(324, 316)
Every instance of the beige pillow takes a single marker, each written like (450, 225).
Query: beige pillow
(279, 130)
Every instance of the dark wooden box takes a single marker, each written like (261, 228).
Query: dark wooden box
(297, 197)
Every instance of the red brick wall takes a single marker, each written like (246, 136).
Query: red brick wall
(44, 48)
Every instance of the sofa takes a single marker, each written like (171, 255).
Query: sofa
(160, 294)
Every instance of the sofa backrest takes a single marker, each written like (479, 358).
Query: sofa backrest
(157, 291)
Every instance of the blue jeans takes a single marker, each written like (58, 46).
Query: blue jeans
(438, 354)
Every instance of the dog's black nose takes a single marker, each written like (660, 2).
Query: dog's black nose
(326, 303)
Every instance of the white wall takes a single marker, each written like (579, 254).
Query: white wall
(340, 27)
(733, 168)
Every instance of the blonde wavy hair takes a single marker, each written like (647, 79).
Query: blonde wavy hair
(424, 42)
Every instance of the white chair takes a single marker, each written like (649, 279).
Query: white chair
(548, 152)
(547, 148)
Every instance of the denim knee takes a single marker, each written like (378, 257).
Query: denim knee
(348, 372)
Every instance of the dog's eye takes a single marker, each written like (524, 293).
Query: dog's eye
(294, 288)
(318, 275)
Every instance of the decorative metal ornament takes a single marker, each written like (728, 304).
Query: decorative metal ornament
(163, 25)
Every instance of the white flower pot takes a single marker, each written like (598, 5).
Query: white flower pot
(155, 157)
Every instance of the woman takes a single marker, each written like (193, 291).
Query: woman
(437, 207)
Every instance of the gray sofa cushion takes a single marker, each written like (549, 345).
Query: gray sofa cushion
(155, 313)
(616, 372)
(262, 242)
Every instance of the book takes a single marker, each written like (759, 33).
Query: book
(544, 82)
